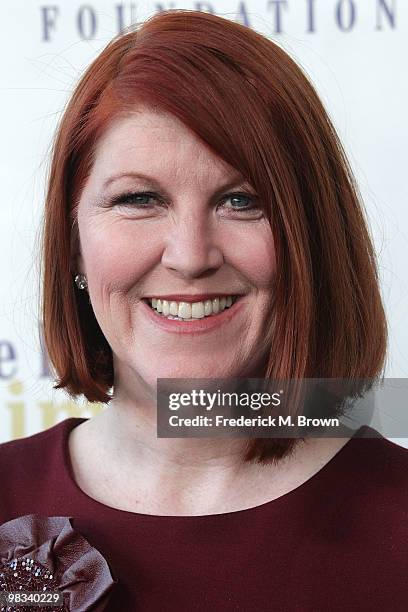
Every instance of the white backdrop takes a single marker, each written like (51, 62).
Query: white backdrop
(354, 52)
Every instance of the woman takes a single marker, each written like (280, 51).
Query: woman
(196, 176)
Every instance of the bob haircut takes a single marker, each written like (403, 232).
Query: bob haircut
(250, 103)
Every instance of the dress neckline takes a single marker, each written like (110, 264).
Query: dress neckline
(324, 473)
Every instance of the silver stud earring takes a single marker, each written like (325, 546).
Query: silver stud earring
(81, 282)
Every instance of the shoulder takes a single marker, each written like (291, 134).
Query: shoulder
(379, 450)
(30, 466)
(367, 478)
(370, 448)
(37, 447)
(376, 472)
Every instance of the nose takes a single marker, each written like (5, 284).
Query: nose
(191, 249)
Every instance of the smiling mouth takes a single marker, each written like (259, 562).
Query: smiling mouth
(190, 311)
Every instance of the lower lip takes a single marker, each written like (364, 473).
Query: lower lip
(199, 326)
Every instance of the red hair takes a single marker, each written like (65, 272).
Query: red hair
(247, 100)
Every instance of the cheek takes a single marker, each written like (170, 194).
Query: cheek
(255, 256)
(117, 255)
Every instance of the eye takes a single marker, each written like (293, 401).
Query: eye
(140, 199)
(242, 202)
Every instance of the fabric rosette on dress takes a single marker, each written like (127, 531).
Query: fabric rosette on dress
(43, 554)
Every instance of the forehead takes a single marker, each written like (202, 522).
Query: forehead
(155, 141)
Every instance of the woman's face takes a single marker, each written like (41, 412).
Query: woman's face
(189, 235)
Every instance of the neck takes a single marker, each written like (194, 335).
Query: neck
(118, 460)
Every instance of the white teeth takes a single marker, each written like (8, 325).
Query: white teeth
(189, 311)
(197, 310)
(174, 308)
(207, 307)
(184, 310)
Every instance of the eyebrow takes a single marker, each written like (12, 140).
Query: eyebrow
(153, 183)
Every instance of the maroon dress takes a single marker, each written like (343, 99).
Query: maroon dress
(338, 542)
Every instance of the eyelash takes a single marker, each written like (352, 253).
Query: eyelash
(125, 198)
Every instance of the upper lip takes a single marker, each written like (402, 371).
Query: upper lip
(197, 297)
